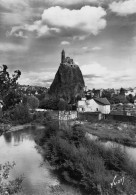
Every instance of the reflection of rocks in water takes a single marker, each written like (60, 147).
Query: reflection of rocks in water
(8, 137)
(22, 135)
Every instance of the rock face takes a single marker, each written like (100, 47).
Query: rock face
(68, 82)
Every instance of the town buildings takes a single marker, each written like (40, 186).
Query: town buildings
(94, 105)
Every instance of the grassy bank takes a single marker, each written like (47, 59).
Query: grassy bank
(123, 133)
(87, 164)
(56, 190)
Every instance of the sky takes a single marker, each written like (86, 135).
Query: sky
(100, 35)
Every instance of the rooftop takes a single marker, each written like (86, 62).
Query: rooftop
(102, 101)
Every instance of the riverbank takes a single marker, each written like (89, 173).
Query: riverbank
(6, 128)
(122, 133)
(57, 190)
(87, 164)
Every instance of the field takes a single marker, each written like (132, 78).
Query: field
(124, 133)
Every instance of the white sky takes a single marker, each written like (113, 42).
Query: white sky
(99, 35)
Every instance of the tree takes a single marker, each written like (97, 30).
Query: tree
(62, 104)
(49, 104)
(20, 114)
(11, 99)
(33, 102)
(8, 87)
(122, 91)
(130, 98)
(106, 94)
(119, 99)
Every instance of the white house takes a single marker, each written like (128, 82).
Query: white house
(133, 93)
(94, 105)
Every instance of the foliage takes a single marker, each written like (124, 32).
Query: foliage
(20, 114)
(109, 130)
(8, 89)
(40, 96)
(11, 99)
(122, 91)
(85, 163)
(119, 99)
(33, 102)
(39, 117)
(55, 104)
(63, 105)
(130, 98)
(8, 187)
(49, 104)
(107, 94)
(24, 99)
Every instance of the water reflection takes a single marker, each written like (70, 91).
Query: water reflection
(8, 137)
(131, 152)
(19, 146)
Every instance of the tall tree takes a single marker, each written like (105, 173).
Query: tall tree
(122, 91)
(33, 102)
(8, 87)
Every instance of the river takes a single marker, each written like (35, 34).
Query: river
(20, 147)
(130, 151)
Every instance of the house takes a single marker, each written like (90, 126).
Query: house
(123, 109)
(94, 105)
(128, 92)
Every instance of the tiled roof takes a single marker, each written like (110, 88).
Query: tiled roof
(102, 101)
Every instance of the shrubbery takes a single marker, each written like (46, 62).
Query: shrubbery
(86, 163)
(49, 104)
(9, 87)
(9, 187)
(20, 114)
(32, 102)
(55, 104)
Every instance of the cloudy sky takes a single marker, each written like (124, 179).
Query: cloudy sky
(100, 35)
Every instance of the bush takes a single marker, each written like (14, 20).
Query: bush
(49, 104)
(20, 114)
(6, 186)
(33, 102)
(86, 163)
(62, 104)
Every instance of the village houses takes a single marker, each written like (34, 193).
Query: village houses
(94, 105)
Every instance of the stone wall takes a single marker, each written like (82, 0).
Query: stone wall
(90, 116)
(67, 115)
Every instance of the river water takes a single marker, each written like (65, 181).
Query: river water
(20, 147)
(130, 151)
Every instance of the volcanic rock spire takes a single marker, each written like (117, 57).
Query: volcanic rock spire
(68, 82)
